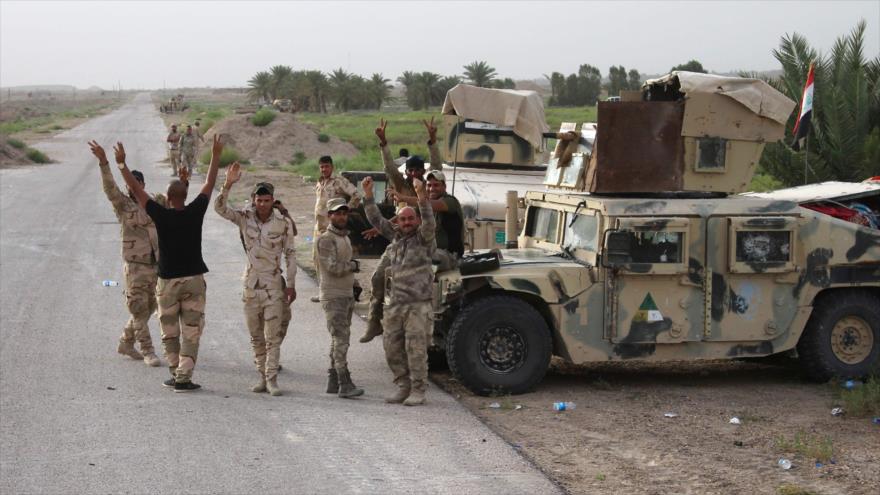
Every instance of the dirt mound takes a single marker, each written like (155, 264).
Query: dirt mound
(277, 142)
(12, 156)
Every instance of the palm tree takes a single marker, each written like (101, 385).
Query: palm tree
(340, 89)
(320, 88)
(379, 89)
(408, 79)
(281, 75)
(447, 83)
(259, 86)
(845, 128)
(426, 84)
(479, 73)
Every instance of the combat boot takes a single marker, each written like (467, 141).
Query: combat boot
(272, 387)
(416, 397)
(150, 359)
(332, 381)
(347, 389)
(374, 328)
(260, 386)
(402, 393)
(127, 349)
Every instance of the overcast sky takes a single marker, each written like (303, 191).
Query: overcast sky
(176, 44)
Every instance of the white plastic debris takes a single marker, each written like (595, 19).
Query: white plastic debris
(735, 421)
(670, 415)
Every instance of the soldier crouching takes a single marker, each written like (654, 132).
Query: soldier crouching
(336, 295)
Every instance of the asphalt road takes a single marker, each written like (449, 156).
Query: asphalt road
(75, 417)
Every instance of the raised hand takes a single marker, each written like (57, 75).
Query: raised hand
(99, 152)
(370, 233)
(367, 185)
(217, 145)
(380, 132)
(419, 186)
(183, 174)
(119, 151)
(233, 174)
(432, 130)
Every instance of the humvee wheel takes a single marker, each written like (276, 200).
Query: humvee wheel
(842, 337)
(499, 344)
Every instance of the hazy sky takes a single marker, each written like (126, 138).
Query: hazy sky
(151, 44)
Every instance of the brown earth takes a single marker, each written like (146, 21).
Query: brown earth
(11, 156)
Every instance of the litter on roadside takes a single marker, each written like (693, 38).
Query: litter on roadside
(837, 411)
(563, 406)
(670, 415)
(494, 405)
(735, 421)
(518, 407)
(784, 464)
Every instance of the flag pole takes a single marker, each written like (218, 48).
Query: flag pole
(806, 153)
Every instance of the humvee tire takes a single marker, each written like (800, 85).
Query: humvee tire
(437, 359)
(499, 344)
(842, 337)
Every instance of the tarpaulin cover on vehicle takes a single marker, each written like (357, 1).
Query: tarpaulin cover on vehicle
(521, 110)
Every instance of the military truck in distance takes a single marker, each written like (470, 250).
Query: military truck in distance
(644, 250)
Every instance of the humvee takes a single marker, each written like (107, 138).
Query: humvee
(642, 249)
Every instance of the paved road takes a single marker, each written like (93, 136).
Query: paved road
(75, 417)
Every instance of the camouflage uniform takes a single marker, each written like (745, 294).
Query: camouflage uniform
(397, 180)
(337, 279)
(325, 190)
(188, 146)
(140, 250)
(182, 300)
(174, 151)
(408, 290)
(265, 307)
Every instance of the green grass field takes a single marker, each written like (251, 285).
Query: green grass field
(48, 122)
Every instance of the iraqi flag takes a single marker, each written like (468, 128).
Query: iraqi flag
(802, 126)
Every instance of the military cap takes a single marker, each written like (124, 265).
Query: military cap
(336, 204)
(437, 175)
(264, 188)
(415, 161)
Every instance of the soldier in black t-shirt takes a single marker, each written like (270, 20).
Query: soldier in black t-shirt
(181, 290)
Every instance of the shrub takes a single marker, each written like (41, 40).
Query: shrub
(37, 156)
(323, 138)
(298, 157)
(228, 156)
(16, 143)
(263, 117)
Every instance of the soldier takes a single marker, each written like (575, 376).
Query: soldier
(140, 250)
(173, 141)
(448, 218)
(188, 147)
(267, 235)
(198, 132)
(408, 291)
(329, 186)
(337, 283)
(402, 157)
(415, 169)
(181, 291)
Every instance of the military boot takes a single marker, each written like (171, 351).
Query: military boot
(150, 359)
(127, 349)
(416, 396)
(332, 381)
(402, 393)
(260, 386)
(374, 327)
(272, 387)
(347, 389)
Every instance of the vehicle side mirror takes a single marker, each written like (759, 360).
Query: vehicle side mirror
(618, 249)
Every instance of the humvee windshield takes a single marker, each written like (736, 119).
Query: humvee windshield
(581, 231)
(543, 224)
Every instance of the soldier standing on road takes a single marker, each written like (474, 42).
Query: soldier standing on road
(415, 169)
(329, 186)
(198, 132)
(188, 146)
(408, 290)
(337, 281)
(173, 141)
(267, 235)
(181, 292)
(140, 250)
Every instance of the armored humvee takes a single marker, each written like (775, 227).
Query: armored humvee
(643, 249)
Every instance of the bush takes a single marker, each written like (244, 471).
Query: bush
(263, 117)
(228, 156)
(37, 156)
(15, 143)
(298, 157)
(323, 138)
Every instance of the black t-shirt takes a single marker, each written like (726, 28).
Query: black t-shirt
(180, 237)
(450, 226)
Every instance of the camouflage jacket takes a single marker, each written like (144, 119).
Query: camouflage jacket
(396, 179)
(329, 188)
(173, 140)
(334, 261)
(140, 243)
(264, 245)
(189, 143)
(409, 276)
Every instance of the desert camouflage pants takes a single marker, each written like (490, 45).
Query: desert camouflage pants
(338, 312)
(189, 161)
(407, 332)
(140, 298)
(377, 287)
(182, 318)
(174, 156)
(267, 315)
